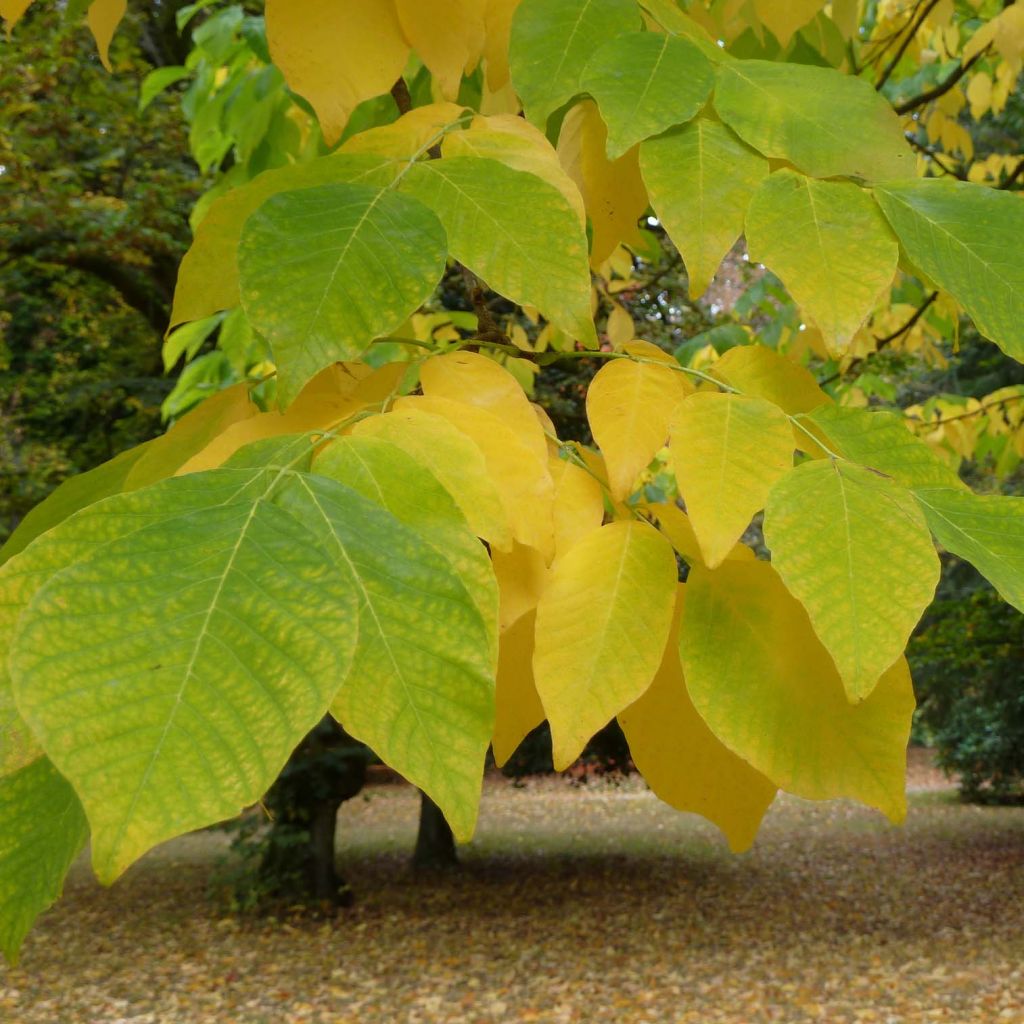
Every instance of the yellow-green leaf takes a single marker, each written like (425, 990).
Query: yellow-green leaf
(765, 686)
(454, 459)
(515, 231)
(523, 482)
(986, 530)
(824, 122)
(882, 440)
(42, 831)
(700, 178)
(853, 547)
(519, 145)
(966, 238)
(683, 761)
(727, 451)
(830, 246)
(601, 625)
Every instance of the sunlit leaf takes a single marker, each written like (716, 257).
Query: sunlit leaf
(601, 623)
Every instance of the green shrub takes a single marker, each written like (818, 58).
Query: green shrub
(968, 662)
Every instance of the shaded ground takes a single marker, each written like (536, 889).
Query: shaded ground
(594, 903)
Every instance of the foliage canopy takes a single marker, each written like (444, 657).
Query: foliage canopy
(173, 623)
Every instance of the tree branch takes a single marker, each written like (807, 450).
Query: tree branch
(884, 341)
(942, 88)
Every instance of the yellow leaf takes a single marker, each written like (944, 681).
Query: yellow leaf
(1005, 31)
(783, 19)
(629, 405)
(579, 503)
(759, 372)
(517, 708)
(476, 380)
(12, 10)
(979, 94)
(325, 402)
(191, 434)
(454, 459)
(524, 483)
(498, 24)
(765, 686)
(522, 575)
(727, 451)
(676, 525)
(336, 55)
(683, 761)
(601, 625)
(103, 18)
(613, 191)
(515, 142)
(408, 135)
(620, 327)
(448, 35)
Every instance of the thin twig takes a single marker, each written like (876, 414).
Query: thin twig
(912, 28)
(972, 412)
(888, 339)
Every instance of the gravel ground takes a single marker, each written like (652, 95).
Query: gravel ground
(592, 903)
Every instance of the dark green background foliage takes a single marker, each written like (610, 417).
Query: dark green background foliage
(967, 660)
(94, 203)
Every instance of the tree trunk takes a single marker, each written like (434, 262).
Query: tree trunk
(325, 885)
(435, 844)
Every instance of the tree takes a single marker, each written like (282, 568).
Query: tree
(94, 202)
(176, 621)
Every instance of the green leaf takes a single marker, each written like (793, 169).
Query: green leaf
(420, 691)
(208, 275)
(551, 42)
(966, 238)
(645, 83)
(42, 831)
(700, 179)
(824, 122)
(326, 270)
(157, 81)
(827, 242)
(882, 441)
(514, 231)
(765, 686)
(986, 530)
(386, 475)
(171, 671)
(852, 546)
